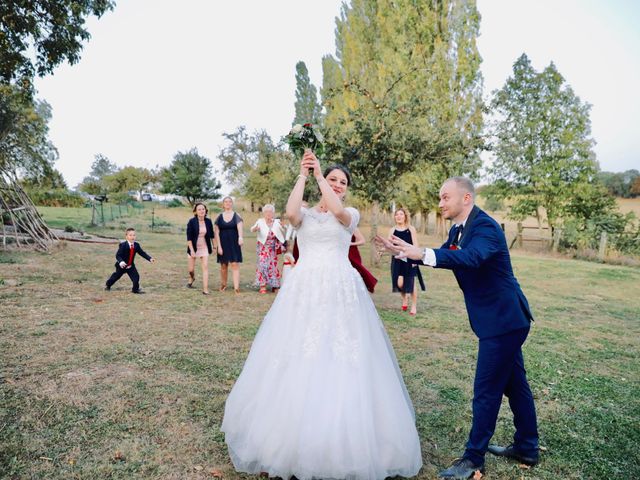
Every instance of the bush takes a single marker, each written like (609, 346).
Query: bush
(175, 203)
(493, 204)
(623, 233)
(56, 198)
(121, 198)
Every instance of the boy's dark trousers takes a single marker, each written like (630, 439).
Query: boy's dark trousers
(131, 271)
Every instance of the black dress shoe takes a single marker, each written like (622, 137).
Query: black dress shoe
(461, 469)
(511, 452)
(139, 292)
(107, 288)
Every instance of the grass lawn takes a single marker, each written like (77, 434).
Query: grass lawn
(97, 384)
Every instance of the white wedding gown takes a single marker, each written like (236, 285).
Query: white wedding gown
(321, 395)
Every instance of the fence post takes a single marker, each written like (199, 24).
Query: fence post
(93, 214)
(153, 211)
(102, 212)
(557, 235)
(519, 235)
(602, 251)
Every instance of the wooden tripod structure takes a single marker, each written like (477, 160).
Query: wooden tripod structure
(20, 222)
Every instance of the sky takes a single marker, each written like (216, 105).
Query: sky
(159, 77)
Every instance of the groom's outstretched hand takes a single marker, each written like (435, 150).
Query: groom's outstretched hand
(399, 247)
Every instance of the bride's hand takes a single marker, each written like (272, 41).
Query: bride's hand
(310, 161)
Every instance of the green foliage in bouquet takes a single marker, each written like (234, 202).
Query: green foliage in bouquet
(305, 136)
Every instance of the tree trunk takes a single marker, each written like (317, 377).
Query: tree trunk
(424, 216)
(373, 256)
(440, 230)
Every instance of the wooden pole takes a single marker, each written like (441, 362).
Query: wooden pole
(602, 251)
(373, 256)
(557, 236)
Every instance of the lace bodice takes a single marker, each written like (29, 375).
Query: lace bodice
(322, 238)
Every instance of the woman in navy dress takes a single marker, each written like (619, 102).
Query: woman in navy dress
(404, 273)
(228, 230)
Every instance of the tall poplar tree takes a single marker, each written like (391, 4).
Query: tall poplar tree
(403, 91)
(308, 109)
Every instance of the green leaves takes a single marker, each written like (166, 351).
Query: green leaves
(24, 129)
(190, 175)
(54, 30)
(261, 170)
(305, 136)
(542, 142)
(308, 110)
(403, 92)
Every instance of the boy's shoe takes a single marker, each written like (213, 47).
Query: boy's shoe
(107, 288)
(139, 292)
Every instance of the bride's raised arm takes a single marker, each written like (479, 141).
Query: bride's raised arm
(294, 204)
(329, 197)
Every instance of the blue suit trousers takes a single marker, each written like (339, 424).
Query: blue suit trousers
(500, 371)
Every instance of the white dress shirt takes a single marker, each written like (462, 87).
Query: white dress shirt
(429, 257)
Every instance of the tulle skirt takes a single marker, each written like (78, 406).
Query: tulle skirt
(321, 395)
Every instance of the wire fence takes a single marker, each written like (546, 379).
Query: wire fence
(102, 212)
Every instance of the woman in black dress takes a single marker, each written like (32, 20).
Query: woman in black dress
(228, 230)
(404, 273)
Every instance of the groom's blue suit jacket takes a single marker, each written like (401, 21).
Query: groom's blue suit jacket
(495, 303)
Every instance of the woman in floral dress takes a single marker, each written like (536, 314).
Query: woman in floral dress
(270, 243)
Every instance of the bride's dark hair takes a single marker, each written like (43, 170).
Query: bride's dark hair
(340, 167)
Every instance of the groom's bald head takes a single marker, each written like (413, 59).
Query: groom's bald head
(457, 197)
(464, 184)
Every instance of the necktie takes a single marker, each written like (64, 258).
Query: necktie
(131, 252)
(456, 237)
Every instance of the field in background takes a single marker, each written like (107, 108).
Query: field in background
(97, 384)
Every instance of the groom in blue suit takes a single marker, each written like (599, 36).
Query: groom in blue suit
(477, 253)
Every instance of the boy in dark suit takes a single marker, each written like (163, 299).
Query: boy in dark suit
(125, 261)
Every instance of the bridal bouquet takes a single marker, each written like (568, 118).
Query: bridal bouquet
(305, 136)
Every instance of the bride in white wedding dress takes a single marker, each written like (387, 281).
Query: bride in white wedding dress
(321, 395)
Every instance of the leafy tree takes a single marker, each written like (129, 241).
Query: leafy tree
(419, 190)
(260, 169)
(51, 179)
(308, 110)
(403, 91)
(94, 183)
(190, 175)
(619, 184)
(25, 149)
(635, 187)
(54, 31)
(543, 145)
(240, 157)
(272, 179)
(129, 178)
(591, 211)
(102, 166)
